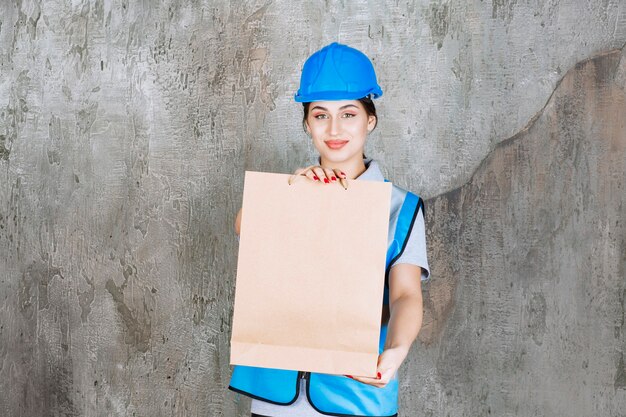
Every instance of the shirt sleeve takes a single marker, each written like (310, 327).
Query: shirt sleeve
(415, 250)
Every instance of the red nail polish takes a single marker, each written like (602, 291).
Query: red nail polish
(334, 178)
(349, 376)
(379, 375)
(326, 180)
(316, 178)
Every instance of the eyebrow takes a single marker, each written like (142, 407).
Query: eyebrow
(340, 108)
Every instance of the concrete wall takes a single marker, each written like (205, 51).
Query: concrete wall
(528, 316)
(125, 128)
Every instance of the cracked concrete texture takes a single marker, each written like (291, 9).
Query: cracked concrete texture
(527, 316)
(125, 128)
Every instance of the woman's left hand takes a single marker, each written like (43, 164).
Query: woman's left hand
(388, 363)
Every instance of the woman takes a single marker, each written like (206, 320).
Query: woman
(336, 88)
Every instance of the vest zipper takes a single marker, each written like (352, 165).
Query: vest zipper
(303, 375)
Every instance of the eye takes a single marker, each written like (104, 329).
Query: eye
(320, 116)
(348, 115)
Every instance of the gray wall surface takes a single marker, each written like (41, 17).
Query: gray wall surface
(528, 316)
(125, 130)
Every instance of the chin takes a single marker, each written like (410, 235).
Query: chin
(335, 157)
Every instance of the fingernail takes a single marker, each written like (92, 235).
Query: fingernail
(334, 178)
(349, 376)
(342, 173)
(316, 178)
(379, 375)
(326, 180)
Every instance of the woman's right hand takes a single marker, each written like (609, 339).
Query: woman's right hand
(320, 174)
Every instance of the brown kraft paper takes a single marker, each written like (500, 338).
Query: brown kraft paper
(310, 274)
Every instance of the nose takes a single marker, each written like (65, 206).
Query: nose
(334, 126)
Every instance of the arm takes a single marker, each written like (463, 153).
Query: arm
(405, 302)
(405, 299)
(405, 289)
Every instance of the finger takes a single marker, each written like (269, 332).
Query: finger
(310, 174)
(291, 179)
(369, 381)
(384, 371)
(300, 172)
(339, 173)
(330, 174)
(319, 171)
(341, 178)
(366, 379)
(386, 375)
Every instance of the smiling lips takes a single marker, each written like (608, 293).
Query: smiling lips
(335, 144)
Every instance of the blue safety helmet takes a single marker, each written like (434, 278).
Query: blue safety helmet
(337, 72)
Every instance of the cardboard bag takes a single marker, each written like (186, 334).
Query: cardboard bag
(310, 274)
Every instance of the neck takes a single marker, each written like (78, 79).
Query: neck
(352, 167)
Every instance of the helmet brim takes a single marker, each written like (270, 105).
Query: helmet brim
(337, 95)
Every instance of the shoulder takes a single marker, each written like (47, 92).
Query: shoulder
(408, 218)
(401, 197)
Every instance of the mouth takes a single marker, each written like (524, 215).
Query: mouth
(335, 144)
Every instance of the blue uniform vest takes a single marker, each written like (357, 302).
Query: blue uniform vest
(337, 395)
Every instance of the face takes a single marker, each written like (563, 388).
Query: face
(339, 129)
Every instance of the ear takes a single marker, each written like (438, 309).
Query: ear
(371, 123)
